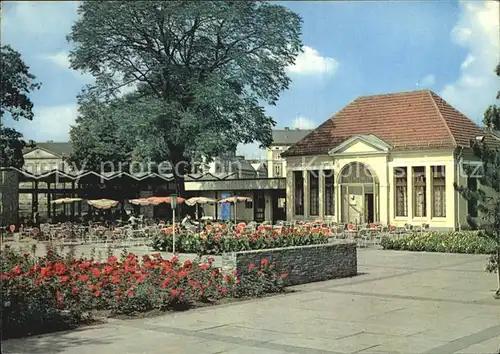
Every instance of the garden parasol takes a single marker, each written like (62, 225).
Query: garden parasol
(235, 199)
(155, 200)
(66, 200)
(197, 201)
(103, 203)
(140, 201)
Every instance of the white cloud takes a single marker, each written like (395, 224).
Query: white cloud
(311, 62)
(477, 85)
(468, 61)
(38, 17)
(251, 151)
(49, 123)
(303, 123)
(61, 59)
(427, 81)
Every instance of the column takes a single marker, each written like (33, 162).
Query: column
(49, 199)
(409, 196)
(428, 192)
(290, 192)
(305, 174)
(321, 193)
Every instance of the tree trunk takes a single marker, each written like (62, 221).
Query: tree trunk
(497, 293)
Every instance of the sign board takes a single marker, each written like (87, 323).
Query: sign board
(225, 208)
(173, 201)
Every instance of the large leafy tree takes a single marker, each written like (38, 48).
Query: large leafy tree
(16, 84)
(202, 70)
(100, 138)
(487, 195)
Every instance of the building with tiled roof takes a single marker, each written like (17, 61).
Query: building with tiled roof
(388, 158)
(282, 140)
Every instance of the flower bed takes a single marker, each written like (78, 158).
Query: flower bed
(218, 241)
(472, 242)
(53, 292)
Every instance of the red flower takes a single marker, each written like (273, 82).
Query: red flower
(45, 272)
(204, 266)
(283, 276)
(17, 270)
(85, 265)
(210, 260)
(112, 259)
(75, 291)
(264, 262)
(234, 272)
(64, 279)
(83, 278)
(223, 290)
(188, 263)
(174, 292)
(60, 268)
(251, 266)
(96, 293)
(130, 293)
(59, 298)
(115, 279)
(96, 272)
(156, 255)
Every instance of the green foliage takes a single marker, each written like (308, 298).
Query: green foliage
(216, 243)
(471, 242)
(487, 195)
(199, 70)
(11, 147)
(57, 292)
(16, 83)
(101, 134)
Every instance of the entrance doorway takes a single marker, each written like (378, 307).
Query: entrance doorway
(369, 207)
(359, 191)
(259, 206)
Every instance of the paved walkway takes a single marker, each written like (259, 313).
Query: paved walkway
(400, 303)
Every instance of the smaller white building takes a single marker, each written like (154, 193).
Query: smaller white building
(282, 140)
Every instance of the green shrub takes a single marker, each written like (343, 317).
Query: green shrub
(218, 242)
(471, 242)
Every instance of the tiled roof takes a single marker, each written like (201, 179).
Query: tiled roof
(406, 120)
(59, 148)
(288, 137)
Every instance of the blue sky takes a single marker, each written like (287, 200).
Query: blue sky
(350, 49)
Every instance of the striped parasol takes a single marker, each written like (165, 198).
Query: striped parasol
(66, 200)
(166, 200)
(140, 201)
(103, 203)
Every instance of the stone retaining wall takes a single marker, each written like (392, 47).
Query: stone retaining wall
(302, 264)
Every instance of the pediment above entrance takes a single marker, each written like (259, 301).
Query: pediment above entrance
(361, 144)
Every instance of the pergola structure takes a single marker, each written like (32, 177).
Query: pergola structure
(124, 186)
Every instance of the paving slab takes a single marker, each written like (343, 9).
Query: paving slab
(401, 302)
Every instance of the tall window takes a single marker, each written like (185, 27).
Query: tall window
(314, 193)
(419, 197)
(472, 204)
(298, 178)
(438, 191)
(329, 193)
(401, 202)
(277, 170)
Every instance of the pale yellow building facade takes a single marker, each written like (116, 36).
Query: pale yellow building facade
(342, 172)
